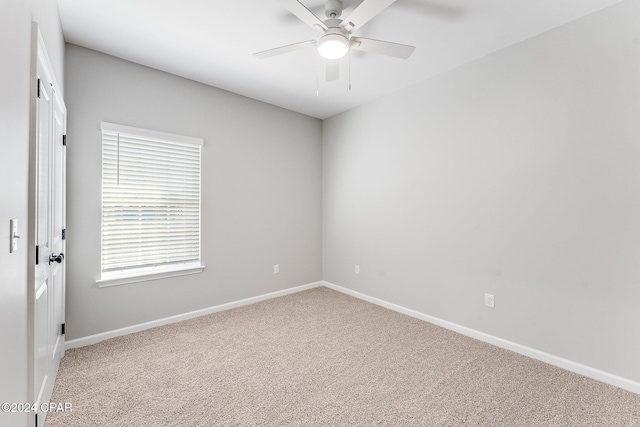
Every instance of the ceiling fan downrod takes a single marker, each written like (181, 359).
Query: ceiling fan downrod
(333, 9)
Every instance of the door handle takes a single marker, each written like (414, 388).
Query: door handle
(56, 258)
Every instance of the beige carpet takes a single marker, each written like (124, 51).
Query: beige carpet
(321, 358)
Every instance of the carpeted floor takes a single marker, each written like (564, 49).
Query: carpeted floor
(321, 358)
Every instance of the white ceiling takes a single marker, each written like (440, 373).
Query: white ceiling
(212, 41)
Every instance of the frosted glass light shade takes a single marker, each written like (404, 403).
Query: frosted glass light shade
(333, 46)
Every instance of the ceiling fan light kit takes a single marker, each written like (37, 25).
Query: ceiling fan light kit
(333, 45)
(336, 38)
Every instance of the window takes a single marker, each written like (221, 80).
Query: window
(150, 205)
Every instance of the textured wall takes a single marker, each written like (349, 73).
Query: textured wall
(261, 191)
(516, 175)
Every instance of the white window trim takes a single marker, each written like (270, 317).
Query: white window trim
(143, 274)
(163, 136)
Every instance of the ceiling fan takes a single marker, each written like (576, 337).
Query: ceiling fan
(335, 38)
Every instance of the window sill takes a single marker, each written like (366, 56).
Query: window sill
(143, 275)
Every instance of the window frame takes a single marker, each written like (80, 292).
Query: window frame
(149, 272)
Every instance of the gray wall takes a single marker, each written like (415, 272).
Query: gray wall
(15, 92)
(517, 175)
(261, 191)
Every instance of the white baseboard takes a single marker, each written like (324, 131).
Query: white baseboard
(94, 339)
(551, 359)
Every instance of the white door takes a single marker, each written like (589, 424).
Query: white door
(49, 287)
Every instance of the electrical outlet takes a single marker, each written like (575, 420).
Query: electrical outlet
(276, 268)
(357, 270)
(489, 300)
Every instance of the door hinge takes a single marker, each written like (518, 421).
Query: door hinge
(64, 234)
(37, 254)
(62, 328)
(38, 88)
(64, 140)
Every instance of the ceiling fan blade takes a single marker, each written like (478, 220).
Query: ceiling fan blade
(397, 50)
(305, 15)
(363, 13)
(283, 49)
(332, 70)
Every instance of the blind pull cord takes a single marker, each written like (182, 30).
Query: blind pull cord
(118, 162)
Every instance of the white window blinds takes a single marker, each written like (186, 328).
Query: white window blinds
(150, 198)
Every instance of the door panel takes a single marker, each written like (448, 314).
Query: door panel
(43, 221)
(42, 341)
